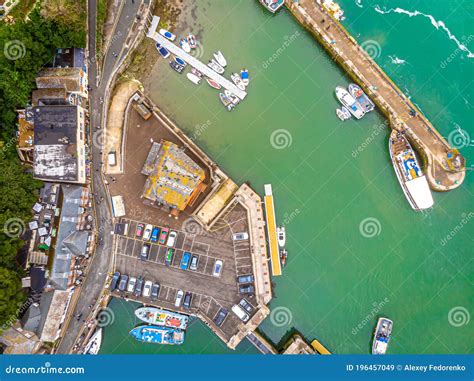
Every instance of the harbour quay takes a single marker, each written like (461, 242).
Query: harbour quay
(444, 165)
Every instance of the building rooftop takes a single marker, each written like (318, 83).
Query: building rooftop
(174, 179)
(69, 78)
(69, 57)
(49, 96)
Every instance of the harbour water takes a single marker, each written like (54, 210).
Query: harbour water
(356, 249)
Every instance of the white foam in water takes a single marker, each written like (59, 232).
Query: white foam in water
(359, 3)
(436, 24)
(397, 61)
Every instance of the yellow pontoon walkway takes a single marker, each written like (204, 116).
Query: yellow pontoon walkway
(271, 231)
(320, 348)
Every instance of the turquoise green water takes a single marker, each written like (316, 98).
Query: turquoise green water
(334, 175)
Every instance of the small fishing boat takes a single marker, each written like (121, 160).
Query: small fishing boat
(226, 101)
(93, 345)
(192, 41)
(340, 114)
(196, 72)
(350, 102)
(213, 83)
(180, 61)
(361, 97)
(281, 236)
(244, 75)
(194, 78)
(233, 98)
(346, 112)
(176, 67)
(158, 335)
(167, 34)
(238, 82)
(215, 66)
(382, 336)
(220, 58)
(163, 51)
(283, 257)
(185, 45)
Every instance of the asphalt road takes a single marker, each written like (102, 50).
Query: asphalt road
(95, 280)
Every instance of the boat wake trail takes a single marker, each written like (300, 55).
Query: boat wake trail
(359, 3)
(436, 24)
(397, 61)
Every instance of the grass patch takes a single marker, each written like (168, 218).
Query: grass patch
(70, 13)
(22, 9)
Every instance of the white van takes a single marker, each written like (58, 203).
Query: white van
(112, 158)
(241, 314)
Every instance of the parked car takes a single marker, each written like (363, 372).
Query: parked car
(179, 298)
(194, 263)
(155, 234)
(247, 289)
(138, 287)
(245, 278)
(185, 260)
(169, 256)
(172, 239)
(147, 288)
(147, 232)
(246, 306)
(220, 317)
(145, 252)
(139, 230)
(123, 282)
(155, 290)
(241, 314)
(217, 268)
(131, 284)
(187, 300)
(113, 283)
(163, 235)
(243, 236)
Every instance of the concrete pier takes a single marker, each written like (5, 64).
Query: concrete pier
(443, 173)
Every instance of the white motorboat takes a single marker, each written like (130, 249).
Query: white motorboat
(215, 66)
(349, 102)
(194, 78)
(244, 75)
(234, 98)
(165, 33)
(220, 58)
(238, 82)
(93, 345)
(281, 236)
(192, 41)
(196, 72)
(382, 336)
(340, 114)
(346, 112)
(185, 45)
(226, 101)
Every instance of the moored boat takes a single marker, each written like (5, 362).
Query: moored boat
(233, 98)
(193, 78)
(346, 112)
(361, 97)
(192, 41)
(281, 236)
(408, 171)
(340, 114)
(180, 61)
(349, 102)
(215, 66)
(177, 67)
(167, 34)
(283, 257)
(183, 42)
(244, 76)
(158, 316)
(238, 82)
(220, 58)
(196, 72)
(213, 83)
(333, 9)
(93, 345)
(272, 5)
(382, 336)
(226, 101)
(158, 335)
(163, 51)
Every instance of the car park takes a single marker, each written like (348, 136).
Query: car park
(147, 288)
(169, 256)
(155, 234)
(147, 232)
(187, 300)
(114, 281)
(179, 298)
(247, 289)
(123, 282)
(220, 317)
(163, 235)
(245, 278)
(139, 230)
(241, 314)
(246, 306)
(145, 252)
(131, 284)
(172, 239)
(243, 236)
(155, 290)
(217, 268)
(138, 287)
(194, 263)
(185, 260)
